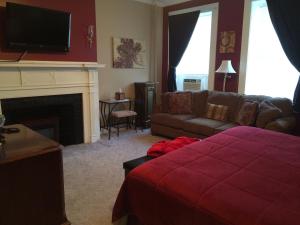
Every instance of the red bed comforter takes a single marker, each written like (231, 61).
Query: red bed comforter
(243, 176)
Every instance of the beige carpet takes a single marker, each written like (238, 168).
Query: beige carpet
(93, 175)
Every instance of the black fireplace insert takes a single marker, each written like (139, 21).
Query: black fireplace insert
(59, 117)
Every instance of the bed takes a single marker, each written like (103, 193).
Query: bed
(242, 176)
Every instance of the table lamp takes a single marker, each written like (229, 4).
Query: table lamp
(226, 67)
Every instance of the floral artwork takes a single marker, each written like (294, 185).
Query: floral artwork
(227, 44)
(128, 53)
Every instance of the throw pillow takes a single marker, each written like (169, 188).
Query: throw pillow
(267, 113)
(217, 112)
(247, 113)
(180, 103)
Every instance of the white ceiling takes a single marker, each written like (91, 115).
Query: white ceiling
(162, 3)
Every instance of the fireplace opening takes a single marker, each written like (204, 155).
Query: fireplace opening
(48, 126)
(58, 117)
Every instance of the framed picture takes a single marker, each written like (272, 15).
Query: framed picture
(128, 53)
(227, 43)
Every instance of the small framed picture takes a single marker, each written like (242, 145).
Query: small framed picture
(227, 43)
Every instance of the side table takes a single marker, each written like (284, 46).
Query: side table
(106, 109)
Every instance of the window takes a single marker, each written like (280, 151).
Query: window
(268, 70)
(195, 60)
(198, 60)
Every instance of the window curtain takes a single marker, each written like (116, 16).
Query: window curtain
(181, 28)
(285, 18)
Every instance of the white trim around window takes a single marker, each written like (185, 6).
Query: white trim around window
(244, 50)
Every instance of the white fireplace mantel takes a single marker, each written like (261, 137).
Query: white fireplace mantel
(49, 64)
(44, 78)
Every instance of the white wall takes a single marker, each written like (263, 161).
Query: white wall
(127, 18)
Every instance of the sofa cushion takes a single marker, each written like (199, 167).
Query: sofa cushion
(170, 120)
(285, 124)
(180, 103)
(225, 127)
(199, 100)
(217, 112)
(255, 98)
(284, 104)
(225, 98)
(267, 113)
(202, 126)
(247, 113)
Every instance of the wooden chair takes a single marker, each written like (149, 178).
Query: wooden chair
(118, 117)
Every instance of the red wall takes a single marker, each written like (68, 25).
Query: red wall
(230, 18)
(82, 15)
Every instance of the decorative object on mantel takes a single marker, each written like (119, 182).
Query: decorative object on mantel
(128, 53)
(226, 67)
(227, 43)
(120, 95)
(90, 35)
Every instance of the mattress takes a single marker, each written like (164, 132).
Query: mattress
(242, 176)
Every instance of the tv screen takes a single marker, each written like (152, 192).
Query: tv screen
(36, 29)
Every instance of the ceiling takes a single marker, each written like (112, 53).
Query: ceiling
(162, 3)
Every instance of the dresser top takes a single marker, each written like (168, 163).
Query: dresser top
(24, 144)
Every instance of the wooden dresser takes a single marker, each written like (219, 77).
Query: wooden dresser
(145, 95)
(31, 180)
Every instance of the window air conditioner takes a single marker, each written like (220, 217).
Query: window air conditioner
(192, 84)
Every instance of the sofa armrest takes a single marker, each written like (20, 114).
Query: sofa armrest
(283, 124)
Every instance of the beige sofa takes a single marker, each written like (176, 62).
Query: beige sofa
(196, 124)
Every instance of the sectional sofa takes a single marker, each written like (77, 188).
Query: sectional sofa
(190, 113)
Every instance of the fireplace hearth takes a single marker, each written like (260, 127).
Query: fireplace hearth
(59, 117)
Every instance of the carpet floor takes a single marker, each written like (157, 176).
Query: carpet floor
(94, 174)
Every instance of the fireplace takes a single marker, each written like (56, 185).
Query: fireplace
(59, 117)
(26, 79)
(47, 126)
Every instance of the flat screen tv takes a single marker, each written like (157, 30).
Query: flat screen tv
(31, 28)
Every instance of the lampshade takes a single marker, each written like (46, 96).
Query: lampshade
(226, 67)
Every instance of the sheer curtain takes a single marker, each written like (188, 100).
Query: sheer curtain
(269, 72)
